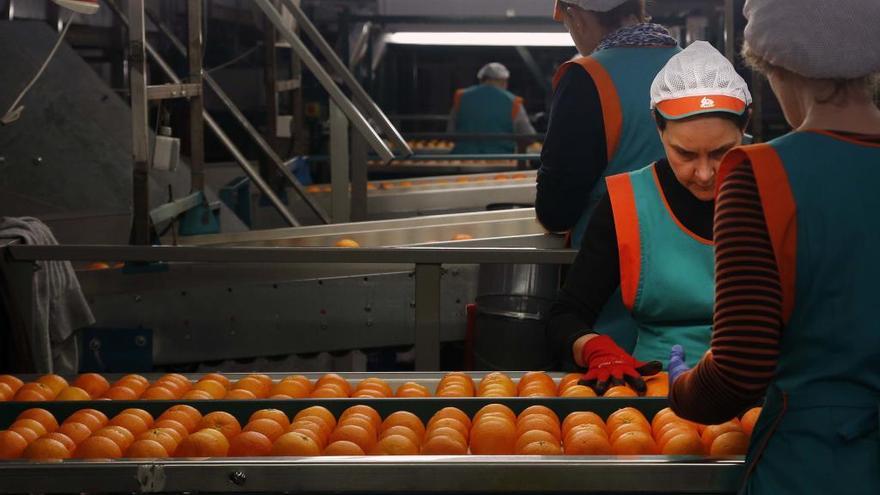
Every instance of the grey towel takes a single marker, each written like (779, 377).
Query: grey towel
(59, 305)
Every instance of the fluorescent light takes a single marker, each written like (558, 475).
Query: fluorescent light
(479, 39)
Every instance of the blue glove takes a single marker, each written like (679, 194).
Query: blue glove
(677, 365)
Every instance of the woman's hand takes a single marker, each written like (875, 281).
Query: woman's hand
(608, 365)
(677, 365)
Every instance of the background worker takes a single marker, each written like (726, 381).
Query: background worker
(651, 233)
(488, 108)
(796, 246)
(600, 123)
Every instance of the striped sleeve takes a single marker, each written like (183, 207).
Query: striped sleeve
(748, 311)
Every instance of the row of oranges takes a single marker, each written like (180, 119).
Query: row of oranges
(326, 188)
(182, 431)
(215, 386)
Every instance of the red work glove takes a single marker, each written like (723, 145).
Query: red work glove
(609, 365)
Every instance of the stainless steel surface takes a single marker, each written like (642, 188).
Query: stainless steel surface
(227, 142)
(172, 210)
(351, 112)
(137, 75)
(427, 301)
(523, 290)
(195, 58)
(359, 178)
(360, 95)
(339, 165)
(169, 91)
(380, 474)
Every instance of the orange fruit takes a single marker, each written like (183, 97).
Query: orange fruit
(175, 426)
(87, 418)
(6, 392)
(347, 243)
(658, 385)
(713, 431)
(41, 416)
(93, 383)
(412, 389)
(46, 448)
(538, 409)
(495, 408)
(266, 380)
(217, 377)
(749, 419)
(539, 422)
(404, 431)
(131, 422)
(98, 448)
(567, 381)
(221, 421)
(301, 379)
(620, 430)
(541, 448)
(445, 431)
(443, 445)
(310, 432)
(191, 411)
(267, 427)
(250, 444)
(275, 415)
(396, 445)
(587, 442)
(343, 447)
(493, 437)
(530, 436)
(535, 377)
(634, 443)
(580, 418)
(371, 414)
(359, 420)
(453, 391)
(662, 417)
(178, 378)
(354, 433)
(369, 393)
(197, 395)
(252, 385)
(120, 436)
(174, 388)
(682, 443)
(146, 449)
(329, 391)
(730, 443)
(295, 444)
(144, 415)
(620, 391)
(28, 434)
(135, 382)
(579, 429)
(626, 415)
(73, 393)
(54, 382)
(183, 417)
(158, 392)
(164, 436)
(34, 392)
(203, 443)
(240, 394)
(30, 424)
(377, 384)
(667, 431)
(335, 379)
(65, 440)
(319, 411)
(121, 392)
(405, 418)
(12, 382)
(312, 423)
(12, 444)
(449, 423)
(451, 412)
(75, 431)
(292, 389)
(578, 391)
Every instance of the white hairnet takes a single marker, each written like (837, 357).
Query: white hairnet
(493, 71)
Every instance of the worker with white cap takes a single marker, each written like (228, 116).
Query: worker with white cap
(651, 233)
(599, 124)
(488, 108)
(796, 252)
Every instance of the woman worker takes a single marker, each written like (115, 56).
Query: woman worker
(599, 120)
(797, 234)
(651, 233)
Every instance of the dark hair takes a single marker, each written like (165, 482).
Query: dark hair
(741, 121)
(613, 19)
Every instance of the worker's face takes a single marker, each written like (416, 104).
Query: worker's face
(584, 27)
(695, 148)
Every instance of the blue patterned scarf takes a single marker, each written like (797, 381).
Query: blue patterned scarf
(648, 35)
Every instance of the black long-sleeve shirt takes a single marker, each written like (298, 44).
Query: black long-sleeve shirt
(595, 274)
(574, 155)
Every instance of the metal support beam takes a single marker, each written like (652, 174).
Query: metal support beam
(359, 159)
(170, 91)
(535, 69)
(427, 300)
(339, 165)
(195, 54)
(137, 64)
(212, 124)
(729, 30)
(351, 112)
(247, 126)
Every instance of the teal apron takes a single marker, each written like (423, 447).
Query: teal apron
(667, 273)
(818, 431)
(485, 109)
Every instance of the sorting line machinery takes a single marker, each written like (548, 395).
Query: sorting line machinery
(372, 474)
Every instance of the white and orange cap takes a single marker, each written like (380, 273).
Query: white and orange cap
(592, 5)
(699, 80)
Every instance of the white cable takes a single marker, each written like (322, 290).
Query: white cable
(15, 110)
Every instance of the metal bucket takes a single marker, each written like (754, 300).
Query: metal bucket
(512, 306)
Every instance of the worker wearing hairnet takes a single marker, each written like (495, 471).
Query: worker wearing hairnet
(488, 108)
(651, 233)
(796, 254)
